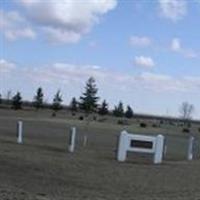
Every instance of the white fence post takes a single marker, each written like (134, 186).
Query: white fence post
(19, 132)
(159, 149)
(72, 138)
(190, 148)
(165, 148)
(122, 147)
(85, 139)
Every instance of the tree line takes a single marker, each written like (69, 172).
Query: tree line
(88, 102)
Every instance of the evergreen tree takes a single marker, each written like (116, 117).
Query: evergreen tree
(103, 110)
(129, 112)
(0, 99)
(74, 105)
(17, 101)
(38, 98)
(57, 100)
(119, 110)
(88, 100)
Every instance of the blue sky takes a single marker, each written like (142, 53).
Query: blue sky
(145, 53)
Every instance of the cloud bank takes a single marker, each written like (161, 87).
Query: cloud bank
(66, 21)
(140, 41)
(173, 9)
(176, 46)
(65, 74)
(14, 26)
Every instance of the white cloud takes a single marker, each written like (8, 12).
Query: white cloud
(177, 47)
(140, 41)
(66, 21)
(14, 26)
(6, 66)
(173, 9)
(66, 75)
(193, 80)
(61, 36)
(145, 62)
(155, 77)
(15, 34)
(162, 82)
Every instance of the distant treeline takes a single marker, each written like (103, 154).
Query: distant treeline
(88, 102)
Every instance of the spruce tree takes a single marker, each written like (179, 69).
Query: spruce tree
(129, 112)
(103, 110)
(38, 98)
(74, 105)
(89, 100)
(119, 110)
(57, 100)
(17, 101)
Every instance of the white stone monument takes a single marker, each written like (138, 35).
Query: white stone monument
(142, 144)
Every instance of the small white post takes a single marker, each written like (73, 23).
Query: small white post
(190, 148)
(165, 148)
(19, 132)
(122, 147)
(159, 149)
(72, 138)
(85, 139)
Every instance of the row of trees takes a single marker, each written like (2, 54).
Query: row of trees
(88, 102)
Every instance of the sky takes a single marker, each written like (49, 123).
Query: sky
(145, 53)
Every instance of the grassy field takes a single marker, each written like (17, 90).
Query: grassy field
(42, 169)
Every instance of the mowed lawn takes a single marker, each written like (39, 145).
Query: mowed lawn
(42, 169)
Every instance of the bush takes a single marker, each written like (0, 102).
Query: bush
(154, 125)
(102, 119)
(189, 125)
(161, 122)
(53, 114)
(73, 114)
(186, 130)
(122, 122)
(181, 124)
(94, 118)
(199, 129)
(171, 123)
(143, 125)
(81, 118)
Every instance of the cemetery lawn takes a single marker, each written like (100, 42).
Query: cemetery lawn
(42, 169)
